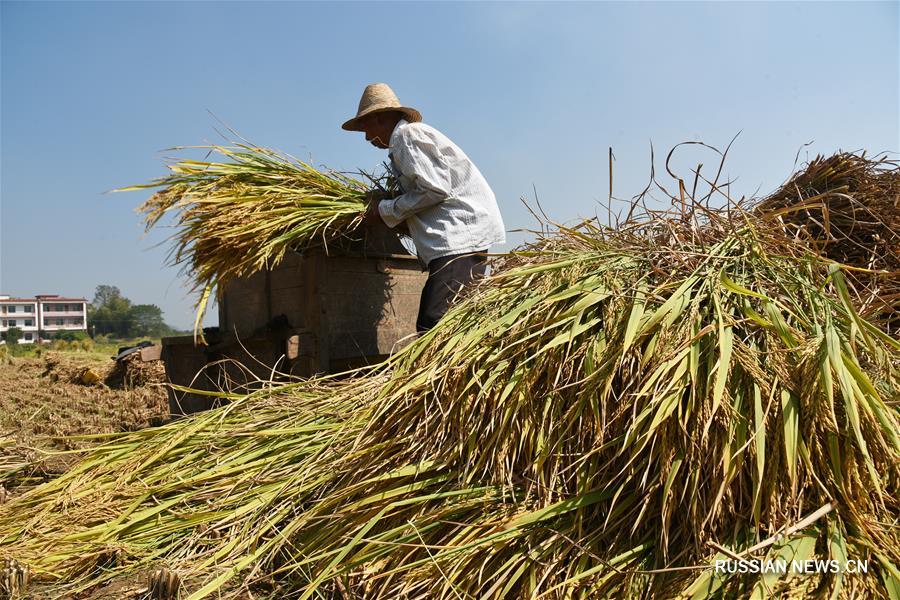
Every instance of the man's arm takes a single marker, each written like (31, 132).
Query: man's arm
(372, 216)
(420, 161)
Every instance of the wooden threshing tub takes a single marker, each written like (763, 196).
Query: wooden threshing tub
(315, 312)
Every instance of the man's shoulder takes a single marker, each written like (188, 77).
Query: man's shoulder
(419, 130)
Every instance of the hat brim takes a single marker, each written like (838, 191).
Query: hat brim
(410, 114)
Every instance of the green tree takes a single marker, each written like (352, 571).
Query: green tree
(110, 312)
(147, 320)
(104, 295)
(12, 335)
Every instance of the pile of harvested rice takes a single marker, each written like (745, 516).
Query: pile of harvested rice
(608, 414)
(847, 208)
(57, 370)
(127, 373)
(130, 372)
(12, 462)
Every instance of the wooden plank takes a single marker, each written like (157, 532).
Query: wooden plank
(151, 353)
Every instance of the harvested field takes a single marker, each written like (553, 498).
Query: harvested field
(42, 400)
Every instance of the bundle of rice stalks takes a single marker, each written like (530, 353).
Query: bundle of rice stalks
(239, 216)
(847, 208)
(12, 461)
(606, 415)
(131, 371)
(14, 579)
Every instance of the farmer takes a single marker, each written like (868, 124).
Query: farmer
(446, 204)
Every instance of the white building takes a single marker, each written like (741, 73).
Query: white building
(41, 317)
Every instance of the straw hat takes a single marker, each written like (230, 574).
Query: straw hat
(379, 97)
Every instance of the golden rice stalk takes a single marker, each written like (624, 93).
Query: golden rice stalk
(239, 216)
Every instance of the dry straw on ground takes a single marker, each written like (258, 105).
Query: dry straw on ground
(44, 408)
(607, 414)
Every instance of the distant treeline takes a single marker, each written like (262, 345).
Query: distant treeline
(113, 314)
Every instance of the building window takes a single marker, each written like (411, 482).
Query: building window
(28, 337)
(29, 323)
(12, 309)
(59, 321)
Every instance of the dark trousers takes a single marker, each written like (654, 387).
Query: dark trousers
(447, 275)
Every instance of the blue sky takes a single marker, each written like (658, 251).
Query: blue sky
(535, 93)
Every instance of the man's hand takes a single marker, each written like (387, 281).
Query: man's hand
(372, 217)
(374, 196)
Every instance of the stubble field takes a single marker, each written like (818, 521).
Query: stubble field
(46, 402)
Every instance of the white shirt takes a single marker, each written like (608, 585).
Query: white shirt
(447, 204)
